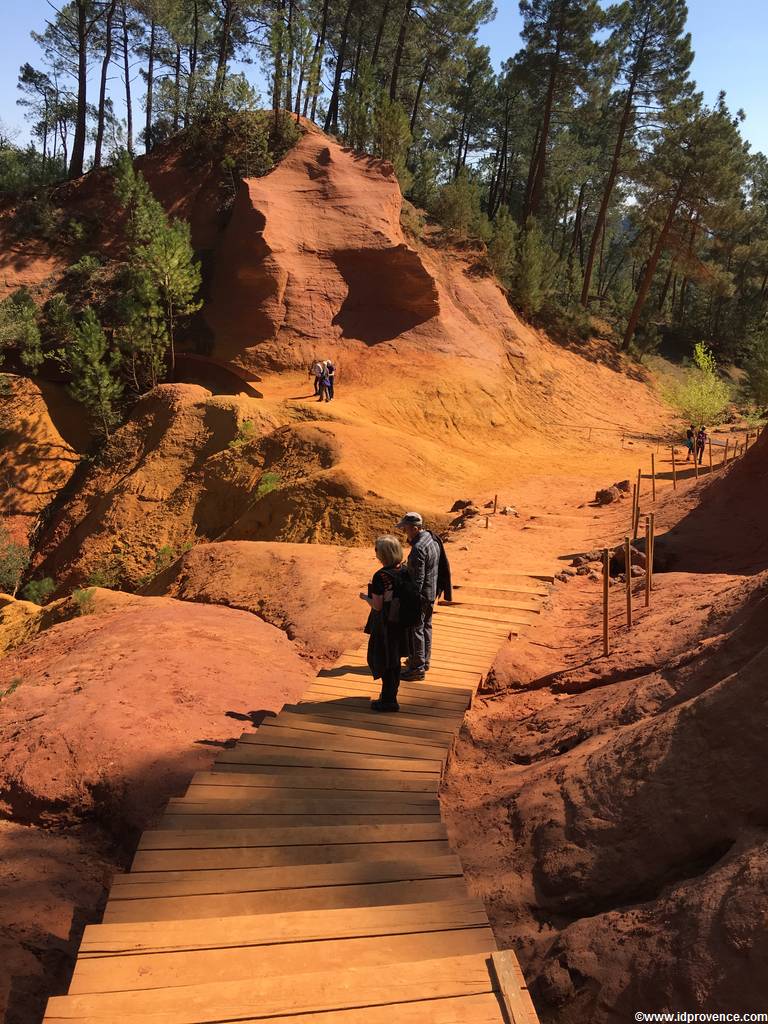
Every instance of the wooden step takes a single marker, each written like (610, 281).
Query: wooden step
(269, 929)
(283, 856)
(152, 971)
(191, 839)
(295, 739)
(331, 897)
(260, 997)
(328, 779)
(246, 753)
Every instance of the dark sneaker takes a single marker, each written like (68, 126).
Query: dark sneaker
(382, 705)
(412, 675)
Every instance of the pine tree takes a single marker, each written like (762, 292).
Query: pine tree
(653, 56)
(19, 328)
(94, 368)
(503, 246)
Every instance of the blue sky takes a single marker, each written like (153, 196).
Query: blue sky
(730, 41)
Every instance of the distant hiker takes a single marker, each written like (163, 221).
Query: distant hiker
(394, 602)
(428, 565)
(690, 441)
(330, 375)
(326, 384)
(316, 371)
(701, 441)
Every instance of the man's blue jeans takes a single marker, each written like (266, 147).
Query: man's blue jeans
(420, 642)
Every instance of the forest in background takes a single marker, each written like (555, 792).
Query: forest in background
(595, 181)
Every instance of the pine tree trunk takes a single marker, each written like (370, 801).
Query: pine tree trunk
(177, 89)
(78, 144)
(399, 51)
(650, 270)
(332, 119)
(150, 86)
(602, 213)
(537, 188)
(317, 60)
(103, 84)
(419, 90)
(193, 51)
(277, 85)
(531, 171)
(223, 56)
(665, 286)
(127, 74)
(380, 33)
(289, 67)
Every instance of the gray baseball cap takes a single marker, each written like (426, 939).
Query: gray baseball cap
(410, 519)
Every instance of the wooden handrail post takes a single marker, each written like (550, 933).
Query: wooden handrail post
(674, 470)
(725, 456)
(487, 519)
(628, 576)
(648, 553)
(606, 585)
(495, 503)
(696, 459)
(653, 477)
(634, 502)
(709, 439)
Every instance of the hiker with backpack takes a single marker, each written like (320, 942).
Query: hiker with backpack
(330, 377)
(395, 605)
(431, 573)
(326, 383)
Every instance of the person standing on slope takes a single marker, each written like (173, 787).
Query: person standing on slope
(326, 385)
(316, 371)
(330, 374)
(431, 574)
(690, 442)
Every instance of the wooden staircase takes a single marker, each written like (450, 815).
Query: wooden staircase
(308, 877)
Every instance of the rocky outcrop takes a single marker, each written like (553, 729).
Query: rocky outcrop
(314, 253)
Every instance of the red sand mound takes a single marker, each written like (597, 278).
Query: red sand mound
(308, 590)
(109, 715)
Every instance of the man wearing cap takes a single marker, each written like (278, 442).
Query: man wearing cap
(423, 563)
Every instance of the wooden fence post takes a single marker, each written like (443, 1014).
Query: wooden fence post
(487, 518)
(674, 470)
(648, 561)
(709, 440)
(725, 456)
(628, 575)
(696, 459)
(653, 477)
(495, 503)
(653, 548)
(606, 584)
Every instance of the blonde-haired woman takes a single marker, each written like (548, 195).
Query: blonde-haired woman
(386, 636)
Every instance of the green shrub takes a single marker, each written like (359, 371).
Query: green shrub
(246, 432)
(38, 591)
(269, 482)
(702, 396)
(458, 209)
(84, 599)
(13, 685)
(85, 268)
(13, 561)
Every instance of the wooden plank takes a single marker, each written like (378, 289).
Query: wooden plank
(514, 991)
(148, 971)
(464, 657)
(539, 589)
(349, 691)
(152, 884)
(189, 839)
(361, 671)
(269, 798)
(330, 714)
(471, 616)
(283, 856)
(264, 996)
(324, 804)
(301, 716)
(486, 601)
(300, 739)
(425, 890)
(466, 682)
(359, 722)
(410, 703)
(256, 820)
(473, 1009)
(357, 673)
(249, 754)
(326, 778)
(266, 929)
(429, 718)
